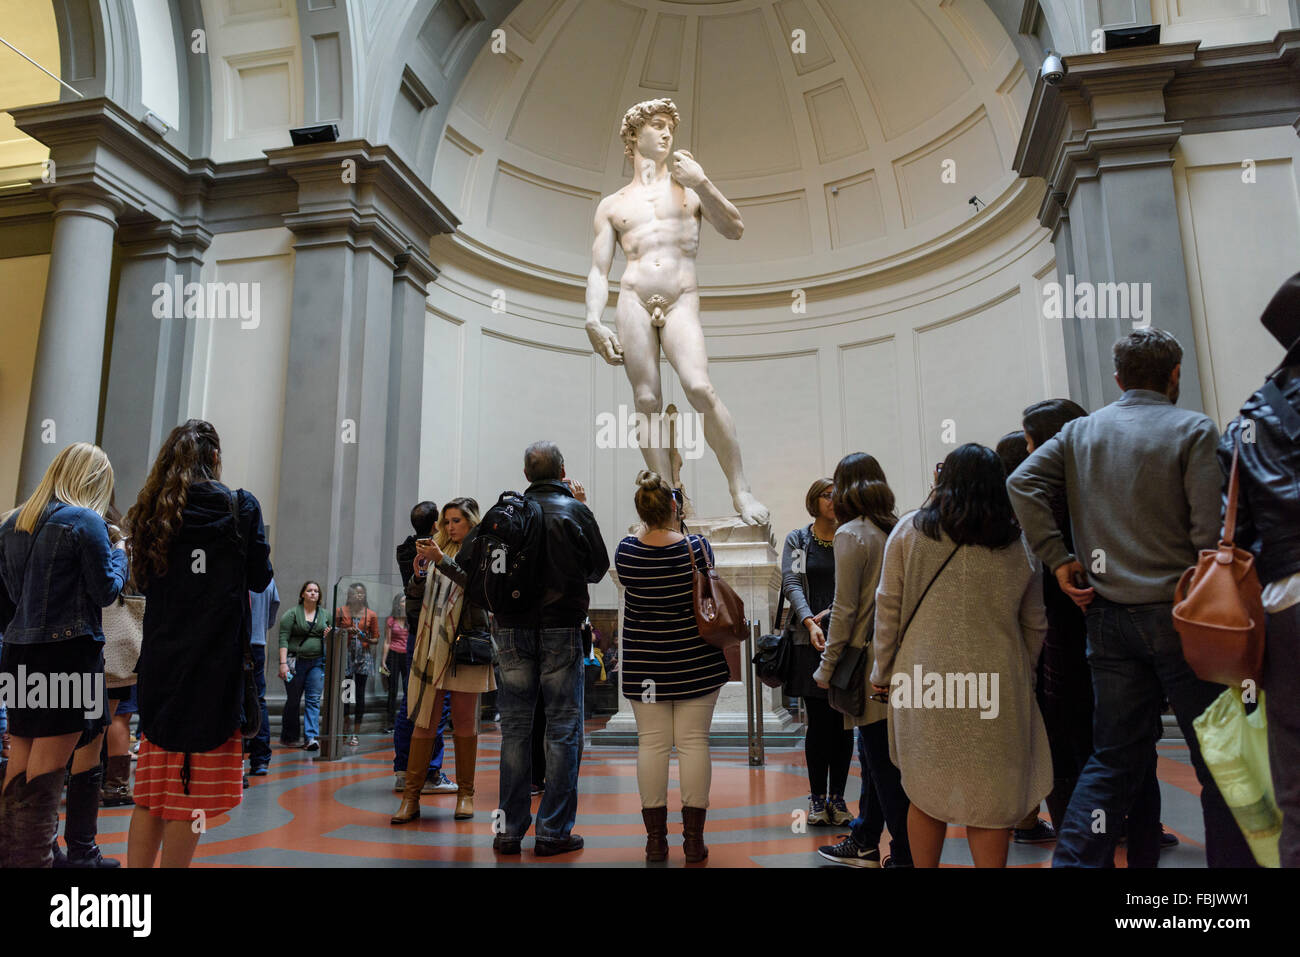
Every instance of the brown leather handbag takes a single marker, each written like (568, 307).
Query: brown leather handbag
(719, 611)
(1218, 610)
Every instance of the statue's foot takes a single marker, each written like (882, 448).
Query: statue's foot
(750, 509)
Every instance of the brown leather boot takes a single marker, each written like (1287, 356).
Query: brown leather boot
(117, 782)
(466, 758)
(417, 768)
(656, 833)
(693, 834)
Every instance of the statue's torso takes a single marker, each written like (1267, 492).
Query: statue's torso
(658, 227)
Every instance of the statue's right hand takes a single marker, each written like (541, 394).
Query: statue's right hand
(605, 343)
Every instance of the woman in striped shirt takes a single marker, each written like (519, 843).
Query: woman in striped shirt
(671, 676)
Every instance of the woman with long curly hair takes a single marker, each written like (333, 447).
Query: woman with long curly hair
(58, 569)
(446, 613)
(200, 548)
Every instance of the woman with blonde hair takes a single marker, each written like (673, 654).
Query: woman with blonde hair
(199, 549)
(671, 676)
(58, 569)
(445, 614)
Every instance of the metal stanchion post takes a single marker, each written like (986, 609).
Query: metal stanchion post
(746, 674)
(758, 759)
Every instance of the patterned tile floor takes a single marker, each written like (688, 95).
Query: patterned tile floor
(307, 813)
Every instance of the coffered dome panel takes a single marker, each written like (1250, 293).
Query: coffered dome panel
(850, 133)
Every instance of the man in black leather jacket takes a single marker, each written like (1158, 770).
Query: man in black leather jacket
(1268, 523)
(540, 653)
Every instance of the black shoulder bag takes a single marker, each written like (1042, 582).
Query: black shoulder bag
(472, 647)
(251, 718)
(848, 685)
(775, 656)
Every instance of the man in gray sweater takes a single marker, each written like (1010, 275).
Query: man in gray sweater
(1142, 485)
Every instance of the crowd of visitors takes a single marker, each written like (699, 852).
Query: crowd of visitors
(1011, 642)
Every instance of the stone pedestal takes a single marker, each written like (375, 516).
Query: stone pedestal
(746, 558)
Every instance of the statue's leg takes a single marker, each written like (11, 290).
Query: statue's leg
(640, 343)
(683, 343)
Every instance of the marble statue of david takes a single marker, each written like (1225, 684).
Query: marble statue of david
(656, 220)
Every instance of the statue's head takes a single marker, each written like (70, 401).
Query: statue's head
(638, 117)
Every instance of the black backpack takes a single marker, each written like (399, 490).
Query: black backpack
(504, 566)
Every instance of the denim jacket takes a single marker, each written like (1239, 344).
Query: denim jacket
(55, 587)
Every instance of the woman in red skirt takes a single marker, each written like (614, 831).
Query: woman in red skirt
(199, 549)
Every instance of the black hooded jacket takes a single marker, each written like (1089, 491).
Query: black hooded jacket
(1268, 433)
(196, 618)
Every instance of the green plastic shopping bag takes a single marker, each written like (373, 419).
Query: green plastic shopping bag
(1235, 747)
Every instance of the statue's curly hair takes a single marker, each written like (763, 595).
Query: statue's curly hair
(190, 453)
(639, 115)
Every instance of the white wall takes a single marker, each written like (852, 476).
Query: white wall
(238, 376)
(159, 82)
(1220, 22)
(1240, 241)
(257, 83)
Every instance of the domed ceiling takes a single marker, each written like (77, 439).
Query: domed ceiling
(850, 133)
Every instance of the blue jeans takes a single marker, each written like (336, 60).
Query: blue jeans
(402, 728)
(546, 663)
(870, 822)
(309, 682)
(259, 748)
(888, 802)
(1136, 657)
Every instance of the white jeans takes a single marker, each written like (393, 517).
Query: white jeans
(660, 726)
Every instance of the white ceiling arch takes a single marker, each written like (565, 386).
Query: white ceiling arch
(849, 132)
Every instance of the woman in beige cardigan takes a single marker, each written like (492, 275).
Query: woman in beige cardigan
(864, 504)
(959, 625)
(432, 668)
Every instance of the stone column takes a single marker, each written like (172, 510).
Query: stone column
(64, 406)
(405, 387)
(335, 428)
(1102, 142)
(362, 226)
(144, 399)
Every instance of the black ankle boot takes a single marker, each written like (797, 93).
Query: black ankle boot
(6, 803)
(34, 819)
(82, 822)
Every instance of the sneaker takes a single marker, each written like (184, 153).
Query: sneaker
(1040, 833)
(399, 782)
(847, 852)
(258, 771)
(441, 785)
(1167, 840)
(312, 745)
(537, 789)
(817, 816)
(838, 811)
(549, 848)
(890, 862)
(506, 845)
(353, 742)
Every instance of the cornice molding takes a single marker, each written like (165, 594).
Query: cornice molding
(98, 146)
(1006, 213)
(380, 181)
(1077, 129)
